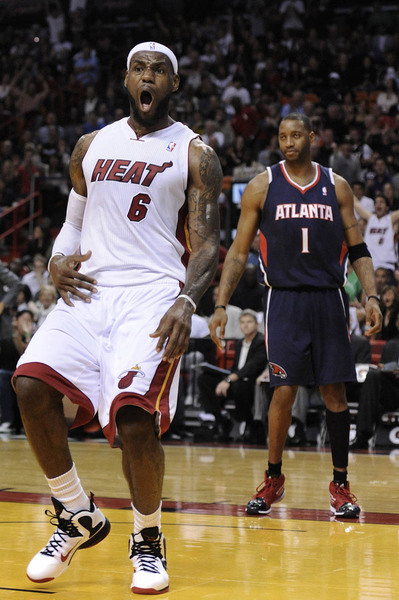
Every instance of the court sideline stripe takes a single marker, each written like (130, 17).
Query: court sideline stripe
(214, 508)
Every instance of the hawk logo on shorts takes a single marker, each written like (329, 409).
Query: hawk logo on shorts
(278, 371)
(126, 377)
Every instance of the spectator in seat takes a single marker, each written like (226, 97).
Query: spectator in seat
(390, 310)
(46, 303)
(239, 384)
(380, 235)
(358, 189)
(381, 279)
(380, 393)
(38, 276)
(377, 178)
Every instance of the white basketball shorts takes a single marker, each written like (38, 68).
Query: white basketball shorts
(101, 357)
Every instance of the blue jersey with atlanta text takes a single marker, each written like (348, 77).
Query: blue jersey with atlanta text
(301, 233)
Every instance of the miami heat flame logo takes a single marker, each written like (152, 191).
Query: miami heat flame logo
(278, 371)
(126, 377)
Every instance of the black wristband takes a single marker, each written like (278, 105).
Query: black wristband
(358, 251)
(375, 298)
(220, 306)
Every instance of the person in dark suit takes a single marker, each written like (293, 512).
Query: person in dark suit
(238, 385)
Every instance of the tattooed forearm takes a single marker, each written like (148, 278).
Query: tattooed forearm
(201, 269)
(203, 218)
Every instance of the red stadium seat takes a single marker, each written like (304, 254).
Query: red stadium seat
(376, 349)
(225, 357)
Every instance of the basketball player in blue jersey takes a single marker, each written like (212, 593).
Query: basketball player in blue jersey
(143, 222)
(307, 231)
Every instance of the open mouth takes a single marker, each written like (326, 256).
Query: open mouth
(145, 100)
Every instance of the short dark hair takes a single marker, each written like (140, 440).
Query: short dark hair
(23, 311)
(296, 116)
(381, 195)
(358, 182)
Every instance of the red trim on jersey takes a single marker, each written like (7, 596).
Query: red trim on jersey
(155, 400)
(182, 233)
(43, 372)
(344, 251)
(263, 247)
(303, 190)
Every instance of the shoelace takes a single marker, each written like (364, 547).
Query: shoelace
(65, 529)
(147, 554)
(268, 483)
(343, 491)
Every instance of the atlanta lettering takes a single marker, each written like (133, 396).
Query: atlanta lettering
(304, 211)
(127, 171)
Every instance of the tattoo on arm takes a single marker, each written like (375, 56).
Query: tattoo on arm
(77, 157)
(202, 203)
(203, 225)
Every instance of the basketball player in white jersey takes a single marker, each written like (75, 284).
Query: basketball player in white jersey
(380, 234)
(143, 223)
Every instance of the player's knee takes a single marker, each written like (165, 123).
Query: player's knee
(32, 394)
(134, 424)
(284, 397)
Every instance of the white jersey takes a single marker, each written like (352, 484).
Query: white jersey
(380, 239)
(135, 220)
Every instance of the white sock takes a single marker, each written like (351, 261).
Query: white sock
(68, 490)
(143, 521)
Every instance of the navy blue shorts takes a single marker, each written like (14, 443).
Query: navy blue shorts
(307, 337)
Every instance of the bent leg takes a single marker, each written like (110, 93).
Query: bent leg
(142, 457)
(45, 426)
(280, 420)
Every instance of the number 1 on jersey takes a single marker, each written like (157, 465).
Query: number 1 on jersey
(305, 240)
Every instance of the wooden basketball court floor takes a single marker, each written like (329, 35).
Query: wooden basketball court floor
(214, 551)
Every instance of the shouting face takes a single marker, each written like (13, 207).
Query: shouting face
(150, 81)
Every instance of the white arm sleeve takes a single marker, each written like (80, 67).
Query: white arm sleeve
(68, 239)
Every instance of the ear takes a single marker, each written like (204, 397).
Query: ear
(176, 82)
(126, 78)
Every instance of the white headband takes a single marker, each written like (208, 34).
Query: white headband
(153, 47)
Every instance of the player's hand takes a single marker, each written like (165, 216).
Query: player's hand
(174, 331)
(69, 281)
(373, 317)
(218, 320)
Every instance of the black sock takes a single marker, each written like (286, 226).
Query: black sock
(338, 425)
(274, 469)
(339, 477)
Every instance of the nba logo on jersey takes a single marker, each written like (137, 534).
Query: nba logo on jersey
(324, 190)
(171, 146)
